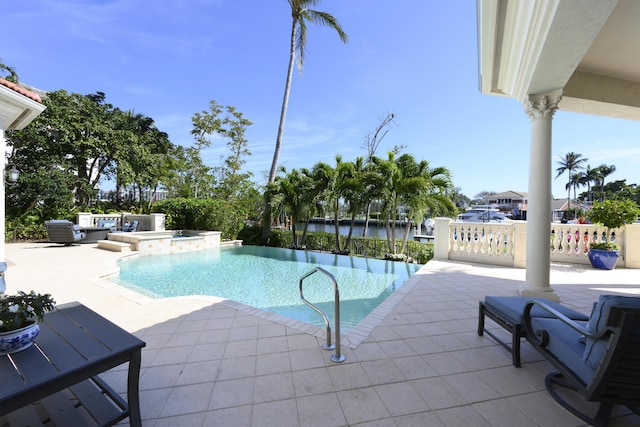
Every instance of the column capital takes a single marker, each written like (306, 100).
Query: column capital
(543, 105)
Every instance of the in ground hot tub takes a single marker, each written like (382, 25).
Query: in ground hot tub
(169, 241)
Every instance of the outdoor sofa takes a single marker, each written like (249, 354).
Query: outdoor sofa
(64, 231)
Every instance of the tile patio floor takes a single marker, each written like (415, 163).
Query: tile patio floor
(416, 361)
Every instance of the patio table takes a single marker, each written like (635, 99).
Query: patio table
(56, 379)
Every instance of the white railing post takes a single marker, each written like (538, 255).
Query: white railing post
(520, 244)
(632, 246)
(84, 219)
(158, 222)
(441, 238)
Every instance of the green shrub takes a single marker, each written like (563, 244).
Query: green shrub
(424, 253)
(372, 247)
(250, 234)
(604, 246)
(29, 227)
(614, 213)
(280, 239)
(202, 214)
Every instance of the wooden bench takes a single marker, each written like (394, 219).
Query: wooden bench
(56, 379)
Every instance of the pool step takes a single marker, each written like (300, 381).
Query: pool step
(112, 245)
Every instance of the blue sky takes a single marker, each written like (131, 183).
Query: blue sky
(414, 58)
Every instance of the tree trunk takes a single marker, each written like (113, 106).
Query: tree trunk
(336, 222)
(353, 221)
(366, 220)
(405, 237)
(266, 219)
(293, 232)
(266, 224)
(304, 231)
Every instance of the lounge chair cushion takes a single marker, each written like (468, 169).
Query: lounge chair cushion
(131, 227)
(596, 348)
(565, 341)
(106, 223)
(513, 308)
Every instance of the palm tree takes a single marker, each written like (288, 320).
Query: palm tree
(301, 14)
(576, 180)
(605, 171)
(353, 191)
(591, 175)
(403, 182)
(13, 76)
(602, 172)
(570, 163)
(292, 190)
(424, 189)
(330, 187)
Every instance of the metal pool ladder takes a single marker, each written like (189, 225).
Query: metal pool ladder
(337, 357)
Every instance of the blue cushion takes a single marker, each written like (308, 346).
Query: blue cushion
(513, 308)
(106, 223)
(59, 221)
(564, 343)
(131, 227)
(595, 349)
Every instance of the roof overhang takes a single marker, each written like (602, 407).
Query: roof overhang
(17, 110)
(586, 48)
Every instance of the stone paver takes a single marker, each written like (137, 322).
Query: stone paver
(416, 361)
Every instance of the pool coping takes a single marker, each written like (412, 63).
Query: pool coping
(352, 339)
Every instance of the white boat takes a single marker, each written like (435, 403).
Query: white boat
(483, 214)
(429, 224)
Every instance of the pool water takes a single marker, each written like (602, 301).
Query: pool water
(268, 278)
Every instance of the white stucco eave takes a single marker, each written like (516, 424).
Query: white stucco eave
(17, 110)
(532, 47)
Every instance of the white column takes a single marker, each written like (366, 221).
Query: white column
(540, 109)
(3, 263)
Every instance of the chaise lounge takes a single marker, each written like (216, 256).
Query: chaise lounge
(599, 359)
(507, 312)
(64, 231)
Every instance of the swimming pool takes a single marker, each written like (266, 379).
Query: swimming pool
(268, 279)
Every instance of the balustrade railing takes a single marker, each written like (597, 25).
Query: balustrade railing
(570, 242)
(151, 222)
(505, 243)
(473, 241)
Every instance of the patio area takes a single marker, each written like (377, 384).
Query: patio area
(416, 361)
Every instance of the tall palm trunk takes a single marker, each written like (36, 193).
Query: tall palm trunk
(407, 229)
(266, 216)
(366, 220)
(304, 231)
(336, 222)
(285, 102)
(353, 223)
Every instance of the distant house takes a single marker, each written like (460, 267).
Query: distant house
(512, 203)
(515, 204)
(559, 208)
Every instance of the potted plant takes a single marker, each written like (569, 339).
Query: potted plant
(19, 318)
(611, 214)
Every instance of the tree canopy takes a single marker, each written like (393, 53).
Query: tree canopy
(86, 140)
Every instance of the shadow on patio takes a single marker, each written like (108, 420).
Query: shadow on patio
(418, 361)
(423, 364)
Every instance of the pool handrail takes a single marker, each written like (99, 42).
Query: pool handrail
(337, 357)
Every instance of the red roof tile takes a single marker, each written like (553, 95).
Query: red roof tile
(20, 90)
